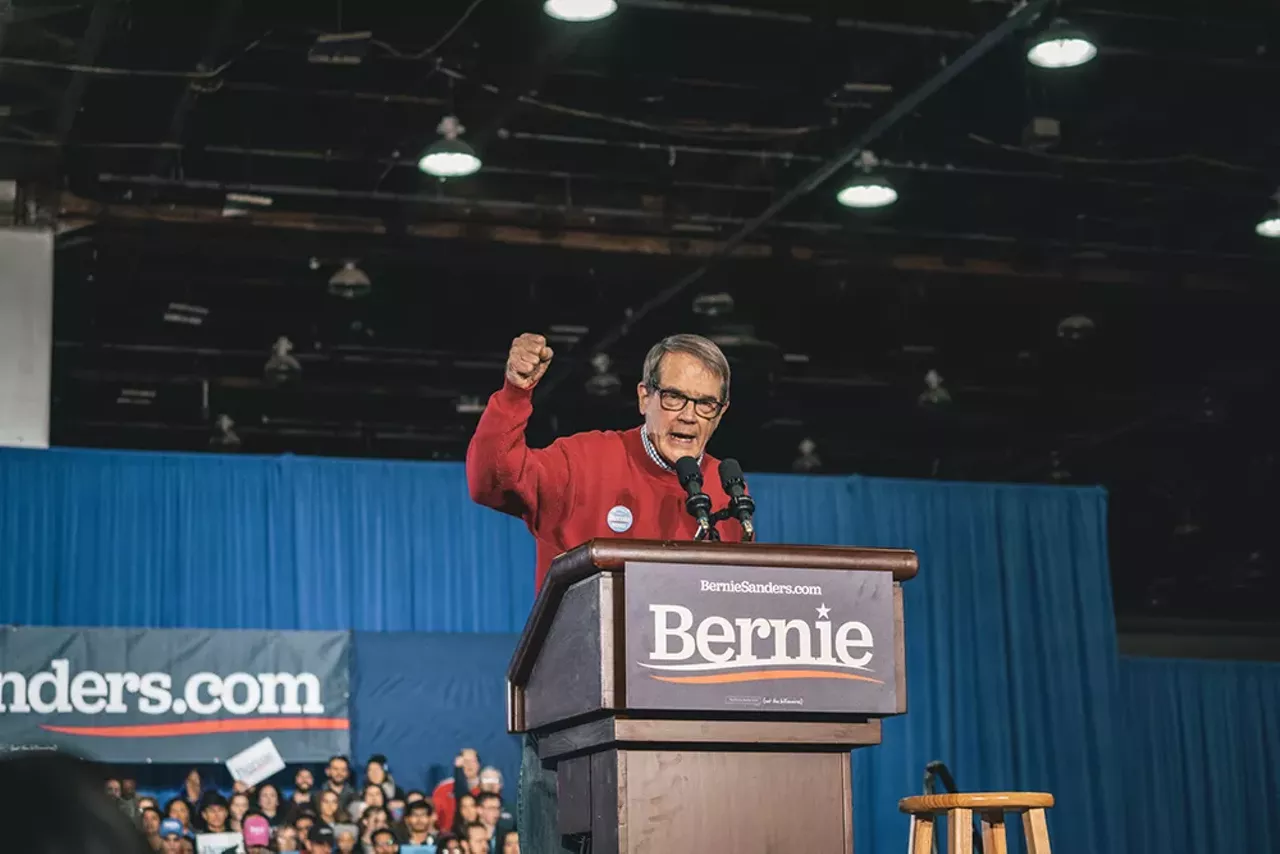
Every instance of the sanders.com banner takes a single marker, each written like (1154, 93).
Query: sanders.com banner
(758, 639)
(173, 695)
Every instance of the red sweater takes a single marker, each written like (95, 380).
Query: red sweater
(582, 487)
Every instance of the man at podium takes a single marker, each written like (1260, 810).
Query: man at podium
(598, 484)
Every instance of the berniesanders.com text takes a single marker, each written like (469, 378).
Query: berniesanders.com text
(767, 587)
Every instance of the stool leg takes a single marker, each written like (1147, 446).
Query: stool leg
(921, 835)
(993, 839)
(1037, 832)
(960, 832)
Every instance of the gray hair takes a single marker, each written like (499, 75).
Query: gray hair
(702, 349)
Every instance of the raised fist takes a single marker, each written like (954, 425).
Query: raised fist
(528, 360)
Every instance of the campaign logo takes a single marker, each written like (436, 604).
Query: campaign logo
(245, 702)
(719, 650)
(766, 639)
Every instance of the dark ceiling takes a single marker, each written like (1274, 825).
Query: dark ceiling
(618, 158)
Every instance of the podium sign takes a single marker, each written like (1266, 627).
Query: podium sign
(759, 639)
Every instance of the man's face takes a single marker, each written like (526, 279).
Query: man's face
(304, 824)
(478, 840)
(151, 822)
(171, 845)
(287, 839)
(128, 789)
(490, 811)
(113, 788)
(384, 843)
(303, 780)
(215, 815)
(318, 847)
(682, 432)
(337, 771)
(417, 821)
(511, 845)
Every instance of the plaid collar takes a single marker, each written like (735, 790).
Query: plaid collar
(655, 456)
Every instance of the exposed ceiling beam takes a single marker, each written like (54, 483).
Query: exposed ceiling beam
(225, 17)
(100, 21)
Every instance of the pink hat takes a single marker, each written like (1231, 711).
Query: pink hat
(257, 831)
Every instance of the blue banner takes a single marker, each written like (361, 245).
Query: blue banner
(166, 695)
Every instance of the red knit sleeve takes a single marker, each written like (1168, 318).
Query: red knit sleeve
(506, 474)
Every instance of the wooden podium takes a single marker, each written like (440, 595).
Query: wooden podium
(707, 694)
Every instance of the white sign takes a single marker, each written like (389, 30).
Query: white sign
(256, 764)
(219, 843)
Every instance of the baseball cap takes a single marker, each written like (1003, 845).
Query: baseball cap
(256, 830)
(170, 827)
(322, 834)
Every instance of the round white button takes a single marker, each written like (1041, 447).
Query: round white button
(620, 519)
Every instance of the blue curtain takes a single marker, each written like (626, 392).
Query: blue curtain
(1203, 758)
(1011, 644)
(213, 541)
(1012, 669)
(420, 698)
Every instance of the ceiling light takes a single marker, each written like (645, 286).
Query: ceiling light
(579, 10)
(450, 157)
(1269, 226)
(1060, 46)
(867, 191)
(350, 282)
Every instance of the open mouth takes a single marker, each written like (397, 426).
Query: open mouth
(684, 440)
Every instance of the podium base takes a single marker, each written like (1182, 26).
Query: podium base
(659, 801)
(537, 804)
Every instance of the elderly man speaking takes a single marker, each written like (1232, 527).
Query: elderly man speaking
(598, 484)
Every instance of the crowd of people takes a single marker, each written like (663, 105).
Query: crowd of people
(343, 814)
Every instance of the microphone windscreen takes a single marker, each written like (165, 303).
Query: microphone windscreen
(730, 471)
(687, 470)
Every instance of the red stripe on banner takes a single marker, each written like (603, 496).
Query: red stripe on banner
(202, 727)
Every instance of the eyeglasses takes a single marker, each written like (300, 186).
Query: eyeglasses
(675, 401)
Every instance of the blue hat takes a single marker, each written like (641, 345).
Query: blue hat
(170, 827)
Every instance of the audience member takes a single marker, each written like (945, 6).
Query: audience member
(373, 820)
(419, 824)
(466, 778)
(172, 834)
(320, 840)
(303, 780)
(383, 842)
(178, 808)
(468, 813)
(476, 840)
(510, 842)
(213, 812)
(495, 820)
(286, 838)
(193, 790)
(269, 804)
(376, 773)
(338, 780)
(238, 808)
(256, 831)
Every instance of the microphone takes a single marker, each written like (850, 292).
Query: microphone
(741, 507)
(698, 504)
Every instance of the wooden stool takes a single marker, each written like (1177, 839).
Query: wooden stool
(991, 807)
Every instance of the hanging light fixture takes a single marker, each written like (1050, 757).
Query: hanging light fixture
(579, 11)
(450, 157)
(1060, 46)
(868, 189)
(1269, 225)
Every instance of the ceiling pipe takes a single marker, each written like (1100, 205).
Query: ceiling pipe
(637, 145)
(658, 217)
